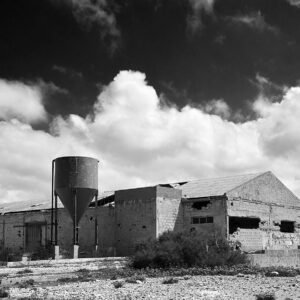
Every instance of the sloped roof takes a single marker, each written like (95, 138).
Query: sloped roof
(29, 205)
(7, 207)
(208, 187)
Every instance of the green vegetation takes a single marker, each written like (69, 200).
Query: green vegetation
(25, 271)
(265, 296)
(3, 293)
(26, 284)
(135, 279)
(170, 280)
(118, 284)
(186, 249)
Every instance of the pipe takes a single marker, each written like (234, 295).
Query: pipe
(75, 225)
(96, 220)
(52, 188)
(55, 220)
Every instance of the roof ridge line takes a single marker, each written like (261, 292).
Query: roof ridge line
(259, 174)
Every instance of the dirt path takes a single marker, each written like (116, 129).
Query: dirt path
(47, 282)
(197, 287)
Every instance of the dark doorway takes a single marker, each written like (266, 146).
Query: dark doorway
(33, 236)
(242, 222)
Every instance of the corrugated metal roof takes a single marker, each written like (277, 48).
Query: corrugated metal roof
(26, 206)
(205, 187)
(30, 205)
(208, 187)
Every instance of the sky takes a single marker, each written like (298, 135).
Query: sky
(158, 90)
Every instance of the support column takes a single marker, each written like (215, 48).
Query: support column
(52, 193)
(96, 224)
(55, 222)
(75, 228)
(56, 247)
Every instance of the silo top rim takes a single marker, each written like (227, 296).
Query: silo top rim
(77, 156)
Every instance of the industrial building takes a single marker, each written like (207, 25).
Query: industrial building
(257, 210)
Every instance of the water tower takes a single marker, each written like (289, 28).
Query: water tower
(75, 182)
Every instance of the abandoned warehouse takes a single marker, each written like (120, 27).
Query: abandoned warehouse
(257, 210)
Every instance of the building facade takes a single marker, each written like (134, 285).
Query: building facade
(256, 210)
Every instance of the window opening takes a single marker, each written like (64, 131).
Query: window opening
(242, 222)
(287, 226)
(200, 204)
(202, 220)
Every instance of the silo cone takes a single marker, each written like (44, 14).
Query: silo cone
(76, 183)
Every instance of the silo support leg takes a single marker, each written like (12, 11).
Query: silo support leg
(96, 225)
(75, 251)
(56, 252)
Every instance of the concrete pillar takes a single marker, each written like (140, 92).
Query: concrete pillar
(56, 252)
(96, 251)
(75, 251)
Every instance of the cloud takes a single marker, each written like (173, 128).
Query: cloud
(50, 88)
(268, 89)
(99, 13)
(253, 20)
(140, 140)
(194, 19)
(218, 107)
(294, 2)
(67, 71)
(21, 101)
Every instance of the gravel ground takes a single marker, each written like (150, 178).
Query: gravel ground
(196, 287)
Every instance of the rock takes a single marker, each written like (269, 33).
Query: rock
(274, 273)
(240, 275)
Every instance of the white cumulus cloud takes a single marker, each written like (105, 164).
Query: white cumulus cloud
(140, 140)
(21, 101)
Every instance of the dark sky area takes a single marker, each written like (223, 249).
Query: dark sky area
(190, 51)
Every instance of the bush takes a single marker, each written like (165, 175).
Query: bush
(26, 284)
(136, 279)
(25, 271)
(43, 252)
(170, 281)
(265, 296)
(186, 249)
(118, 284)
(282, 272)
(3, 293)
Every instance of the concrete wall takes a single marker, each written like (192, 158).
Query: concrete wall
(169, 212)
(266, 198)
(216, 209)
(13, 230)
(135, 218)
(284, 258)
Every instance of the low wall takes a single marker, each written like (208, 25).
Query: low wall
(284, 258)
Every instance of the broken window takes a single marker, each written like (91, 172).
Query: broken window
(195, 220)
(201, 204)
(202, 220)
(287, 226)
(242, 222)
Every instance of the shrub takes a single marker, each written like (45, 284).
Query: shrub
(265, 296)
(118, 284)
(282, 272)
(43, 252)
(67, 279)
(26, 284)
(186, 249)
(3, 293)
(170, 280)
(135, 279)
(25, 271)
